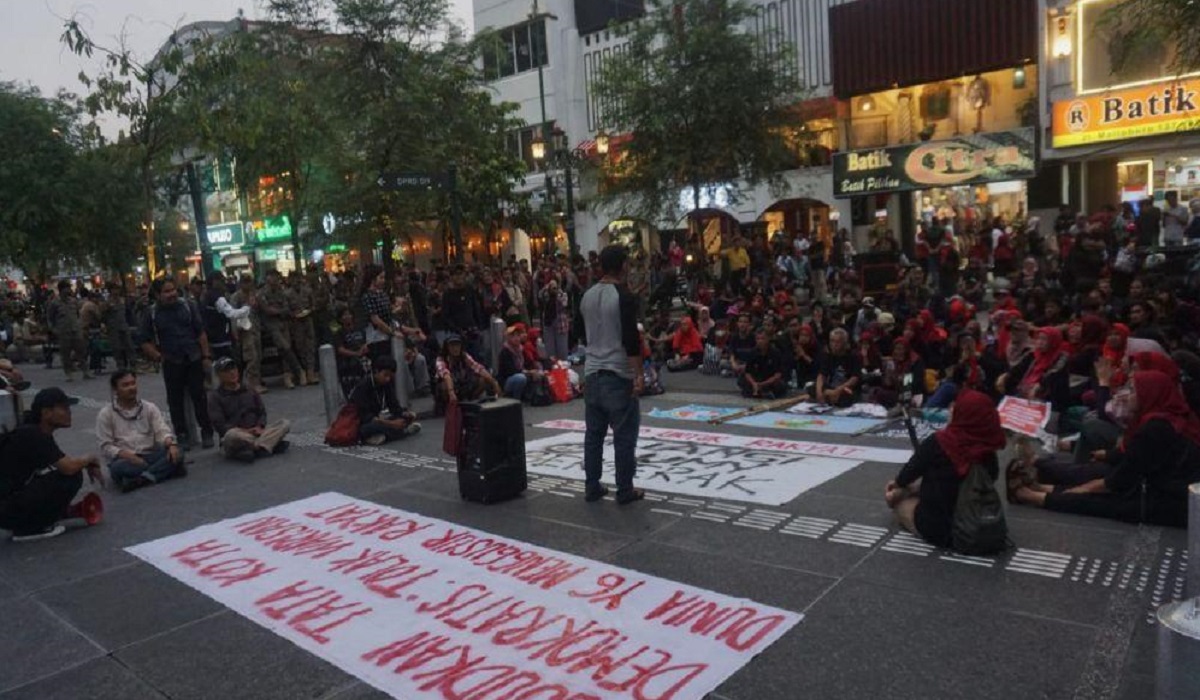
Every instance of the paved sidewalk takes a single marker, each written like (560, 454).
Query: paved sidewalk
(1065, 615)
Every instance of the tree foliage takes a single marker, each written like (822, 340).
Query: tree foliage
(1155, 28)
(706, 102)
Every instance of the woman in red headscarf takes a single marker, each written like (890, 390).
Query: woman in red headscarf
(941, 462)
(1159, 457)
(688, 347)
(1042, 374)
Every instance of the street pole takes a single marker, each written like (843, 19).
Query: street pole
(455, 211)
(569, 224)
(201, 218)
(541, 83)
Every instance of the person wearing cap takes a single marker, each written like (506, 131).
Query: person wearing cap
(173, 333)
(37, 480)
(135, 437)
(459, 376)
(240, 418)
(376, 392)
(218, 315)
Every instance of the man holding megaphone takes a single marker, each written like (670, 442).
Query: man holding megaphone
(38, 481)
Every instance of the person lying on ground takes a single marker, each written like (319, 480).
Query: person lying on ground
(37, 480)
(135, 438)
(240, 418)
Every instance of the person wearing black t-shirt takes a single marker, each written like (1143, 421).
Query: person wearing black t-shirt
(765, 370)
(840, 374)
(740, 344)
(38, 481)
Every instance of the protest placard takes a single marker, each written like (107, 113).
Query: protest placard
(423, 608)
(695, 468)
(799, 447)
(1023, 415)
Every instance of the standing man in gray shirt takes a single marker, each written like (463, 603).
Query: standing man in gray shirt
(613, 377)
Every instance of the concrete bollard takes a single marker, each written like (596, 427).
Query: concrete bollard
(404, 380)
(1192, 584)
(496, 342)
(1178, 667)
(331, 388)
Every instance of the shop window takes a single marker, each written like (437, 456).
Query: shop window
(516, 50)
(869, 132)
(1110, 55)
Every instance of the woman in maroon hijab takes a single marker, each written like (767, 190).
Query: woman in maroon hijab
(941, 462)
(1158, 457)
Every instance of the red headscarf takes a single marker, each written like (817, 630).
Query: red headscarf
(1116, 355)
(687, 339)
(1159, 396)
(811, 346)
(1043, 361)
(1154, 362)
(974, 431)
(1094, 333)
(928, 330)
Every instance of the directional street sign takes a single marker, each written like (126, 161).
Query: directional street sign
(411, 181)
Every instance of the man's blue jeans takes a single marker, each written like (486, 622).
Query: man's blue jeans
(514, 386)
(609, 402)
(159, 467)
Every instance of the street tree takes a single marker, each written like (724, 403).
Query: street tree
(143, 95)
(42, 137)
(707, 103)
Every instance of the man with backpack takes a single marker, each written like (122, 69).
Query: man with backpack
(956, 505)
(173, 333)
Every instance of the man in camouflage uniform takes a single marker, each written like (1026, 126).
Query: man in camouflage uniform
(113, 311)
(300, 301)
(249, 333)
(276, 311)
(64, 320)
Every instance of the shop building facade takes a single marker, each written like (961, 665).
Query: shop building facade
(938, 107)
(578, 40)
(1115, 133)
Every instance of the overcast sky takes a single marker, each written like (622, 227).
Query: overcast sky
(30, 50)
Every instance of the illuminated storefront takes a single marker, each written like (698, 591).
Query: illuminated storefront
(1119, 131)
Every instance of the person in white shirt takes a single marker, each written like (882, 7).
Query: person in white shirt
(135, 438)
(1175, 219)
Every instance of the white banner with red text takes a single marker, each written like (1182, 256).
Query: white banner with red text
(423, 608)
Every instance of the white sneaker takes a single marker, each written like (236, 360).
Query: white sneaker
(52, 531)
(375, 440)
(412, 429)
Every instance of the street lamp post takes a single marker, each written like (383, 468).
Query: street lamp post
(562, 156)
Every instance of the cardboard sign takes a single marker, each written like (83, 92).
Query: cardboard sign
(1164, 108)
(423, 608)
(795, 447)
(1024, 416)
(695, 468)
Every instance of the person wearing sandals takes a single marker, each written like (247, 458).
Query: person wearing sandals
(1148, 481)
(613, 378)
(923, 495)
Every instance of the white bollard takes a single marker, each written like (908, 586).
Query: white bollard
(404, 380)
(1192, 583)
(331, 388)
(1178, 666)
(496, 342)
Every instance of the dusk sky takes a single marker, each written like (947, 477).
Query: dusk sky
(30, 50)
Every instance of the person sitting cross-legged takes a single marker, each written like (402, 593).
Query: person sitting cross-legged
(764, 375)
(375, 392)
(135, 438)
(240, 418)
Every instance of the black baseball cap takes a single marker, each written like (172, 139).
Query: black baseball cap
(225, 363)
(51, 397)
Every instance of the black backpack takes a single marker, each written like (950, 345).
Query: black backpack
(978, 527)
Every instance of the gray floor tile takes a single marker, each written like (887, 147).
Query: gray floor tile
(34, 644)
(99, 679)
